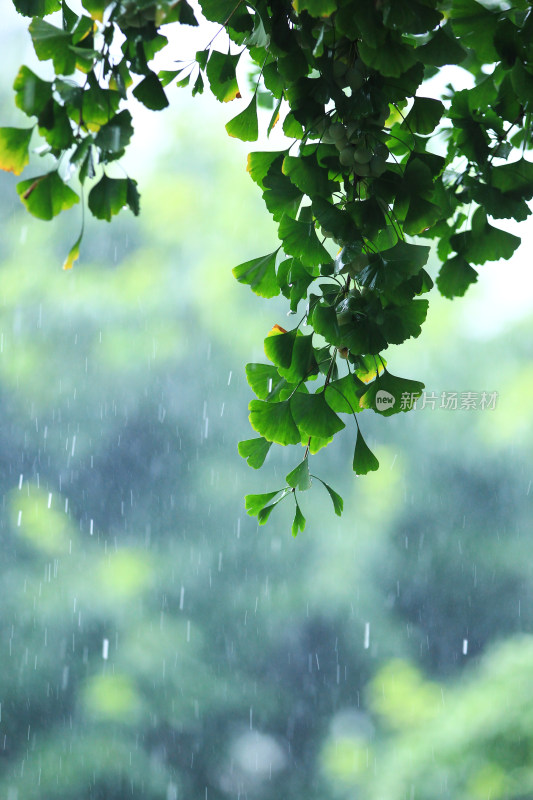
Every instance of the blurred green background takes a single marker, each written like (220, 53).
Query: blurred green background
(154, 642)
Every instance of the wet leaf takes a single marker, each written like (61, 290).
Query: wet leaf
(342, 395)
(221, 71)
(298, 523)
(46, 196)
(110, 195)
(74, 253)
(313, 416)
(389, 394)
(455, 276)
(279, 347)
(274, 421)
(53, 43)
(364, 460)
(254, 451)
(31, 92)
(300, 240)
(245, 126)
(259, 274)
(150, 93)
(299, 477)
(14, 148)
(255, 502)
(37, 8)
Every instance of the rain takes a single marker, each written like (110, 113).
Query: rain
(155, 642)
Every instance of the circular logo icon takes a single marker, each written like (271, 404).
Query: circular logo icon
(384, 400)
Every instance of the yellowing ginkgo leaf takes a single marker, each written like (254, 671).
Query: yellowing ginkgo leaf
(74, 254)
(14, 144)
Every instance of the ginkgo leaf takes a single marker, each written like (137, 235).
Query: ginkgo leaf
(150, 93)
(299, 477)
(279, 347)
(299, 239)
(336, 499)
(342, 394)
(313, 416)
(221, 71)
(47, 195)
(110, 195)
(389, 394)
(255, 502)
(254, 451)
(259, 274)
(274, 421)
(364, 460)
(245, 126)
(455, 277)
(298, 523)
(73, 254)
(14, 149)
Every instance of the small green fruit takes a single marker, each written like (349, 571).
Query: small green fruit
(362, 170)
(337, 131)
(346, 156)
(362, 154)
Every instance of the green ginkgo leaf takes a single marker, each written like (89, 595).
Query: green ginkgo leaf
(424, 116)
(389, 394)
(364, 460)
(342, 395)
(46, 196)
(279, 347)
(53, 43)
(455, 277)
(267, 383)
(110, 195)
(115, 135)
(259, 274)
(255, 502)
(259, 163)
(245, 126)
(31, 92)
(274, 421)
(303, 362)
(150, 93)
(37, 8)
(300, 478)
(325, 322)
(300, 240)
(313, 416)
(307, 174)
(484, 242)
(254, 451)
(221, 71)
(336, 499)
(298, 523)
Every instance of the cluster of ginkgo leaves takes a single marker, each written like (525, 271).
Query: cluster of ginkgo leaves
(373, 164)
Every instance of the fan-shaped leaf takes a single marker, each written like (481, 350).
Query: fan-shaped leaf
(364, 460)
(254, 451)
(274, 421)
(313, 416)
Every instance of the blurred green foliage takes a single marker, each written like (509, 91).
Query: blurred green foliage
(154, 642)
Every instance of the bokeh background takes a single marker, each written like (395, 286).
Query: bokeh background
(154, 642)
